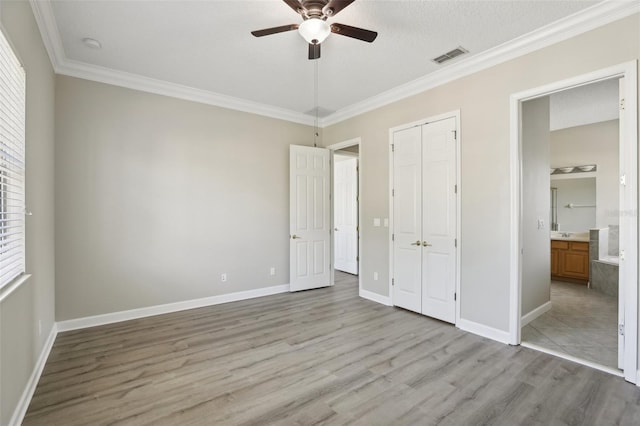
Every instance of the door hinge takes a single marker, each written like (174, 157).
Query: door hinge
(357, 229)
(455, 189)
(393, 147)
(357, 258)
(357, 199)
(621, 329)
(621, 254)
(455, 242)
(455, 135)
(393, 237)
(393, 192)
(623, 180)
(393, 281)
(622, 104)
(357, 168)
(455, 296)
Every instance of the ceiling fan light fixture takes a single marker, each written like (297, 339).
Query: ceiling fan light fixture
(314, 30)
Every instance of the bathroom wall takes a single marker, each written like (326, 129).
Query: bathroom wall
(593, 144)
(582, 194)
(536, 203)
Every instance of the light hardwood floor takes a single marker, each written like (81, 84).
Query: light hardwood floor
(317, 357)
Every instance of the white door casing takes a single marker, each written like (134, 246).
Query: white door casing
(439, 219)
(628, 266)
(621, 304)
(345, 199)
(309, 217)
(407, 220)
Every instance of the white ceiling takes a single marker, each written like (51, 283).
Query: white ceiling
(592, 103)
(207, 45)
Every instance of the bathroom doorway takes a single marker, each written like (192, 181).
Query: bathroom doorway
(573, 152)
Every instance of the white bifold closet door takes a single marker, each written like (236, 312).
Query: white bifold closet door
(424, 219)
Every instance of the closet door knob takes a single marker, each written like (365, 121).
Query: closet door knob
(417, 243)
(426, 244)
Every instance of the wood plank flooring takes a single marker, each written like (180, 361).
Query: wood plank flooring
(316, 357)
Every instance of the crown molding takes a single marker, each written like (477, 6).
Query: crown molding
(578, 23)
(160, 87)
(43, 13)
(571, 26)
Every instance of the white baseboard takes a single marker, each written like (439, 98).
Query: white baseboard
(96, 320)
(526, 319)
(375, 297)
(483, 330)
(27, 394)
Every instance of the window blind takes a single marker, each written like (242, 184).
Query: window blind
(12, 164)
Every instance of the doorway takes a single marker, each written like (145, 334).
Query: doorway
(345, 211)
(536, 252)
(345, 202)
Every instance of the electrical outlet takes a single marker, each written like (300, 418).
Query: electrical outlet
(272, 271)
(375, 276)
(223, 278)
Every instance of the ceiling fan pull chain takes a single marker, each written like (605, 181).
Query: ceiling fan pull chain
(315, 101)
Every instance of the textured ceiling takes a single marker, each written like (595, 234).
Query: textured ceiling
(207, 44)
(592, 103)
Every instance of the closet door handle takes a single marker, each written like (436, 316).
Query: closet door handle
(426, 244)
(417, 243)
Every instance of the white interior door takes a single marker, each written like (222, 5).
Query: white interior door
(346, 213)
(309, 217)
(407, 220)
(439, 219)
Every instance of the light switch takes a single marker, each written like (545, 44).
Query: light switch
(540, 224)
(386, 222)
(376, 221)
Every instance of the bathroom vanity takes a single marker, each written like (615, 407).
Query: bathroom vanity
(570, 260)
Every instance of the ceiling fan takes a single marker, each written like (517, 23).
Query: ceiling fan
(314, 27)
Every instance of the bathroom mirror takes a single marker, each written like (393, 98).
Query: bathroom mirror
(573, 204)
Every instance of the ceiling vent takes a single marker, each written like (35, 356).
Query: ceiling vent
(450, 55)
(322, 112)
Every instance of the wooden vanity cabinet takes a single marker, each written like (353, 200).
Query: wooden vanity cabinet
(570, 261)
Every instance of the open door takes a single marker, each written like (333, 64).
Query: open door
(345, 218)
(309, 218)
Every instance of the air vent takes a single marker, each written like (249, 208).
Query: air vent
(450, 55)
(322, 112)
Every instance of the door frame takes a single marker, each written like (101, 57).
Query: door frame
(332, 148)
(451, 114)
(628, 151)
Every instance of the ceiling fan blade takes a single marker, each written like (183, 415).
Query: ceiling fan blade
(335, 6)
(295, 5)
(314, 51)
(354, 32)
(274, 30)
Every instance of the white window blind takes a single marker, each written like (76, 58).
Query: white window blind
(12, 171)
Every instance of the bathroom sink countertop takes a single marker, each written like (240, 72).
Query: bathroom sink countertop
(572, 236)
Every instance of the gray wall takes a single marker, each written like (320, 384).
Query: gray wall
(20, 340)
(581, 192)
(536, 247)
(593, 144)
(483, 99)
(157, 197)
